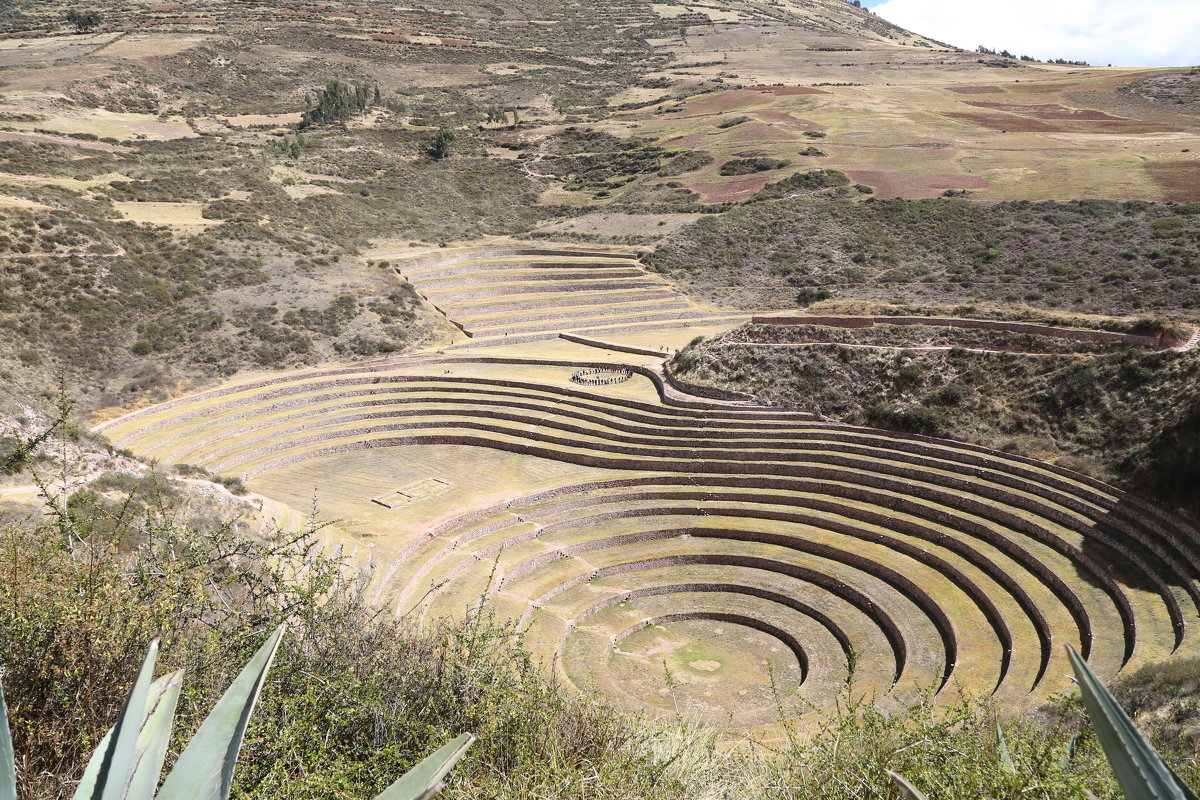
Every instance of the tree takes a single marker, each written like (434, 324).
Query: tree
(441, 144)
(338, 102)
(83, 21)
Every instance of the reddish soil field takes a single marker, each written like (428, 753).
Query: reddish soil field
(1005, 122)
(732, 100)
(691, 142)
(752, 132)
(1179, 180)
(786, 91)
(737, 99)
(976, 89)
(784, 118)
(1048, 111)
(1026, 118)
(898, 184)
(734, 190)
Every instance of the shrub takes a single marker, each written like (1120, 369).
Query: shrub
(953, 394)
(749, 166)
(802, 183)
(812, 294)
(441, 145)
(685, 162)
(83, 21)
(128, 762)
(233, 483)
(908, 418)
(910, 374)
(337, 102)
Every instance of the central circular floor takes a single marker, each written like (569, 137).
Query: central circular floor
(703, 666)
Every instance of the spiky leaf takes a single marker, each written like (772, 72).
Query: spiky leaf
(909, 791)
(87, 783)
(111, 766)
(8, 763)
(1139, 770)
(204, 770)
(423, 781)
(155, 736)
(1006, 759)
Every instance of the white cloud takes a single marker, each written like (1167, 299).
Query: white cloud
(1141, 33)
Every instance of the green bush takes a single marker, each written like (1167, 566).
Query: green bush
(688, 161)
(812, 294)
(749, 166)
(802, 183)
(952, 395)
(908, 418)
(442, 144)
(910, 375)
(83, 21)
(338, 102)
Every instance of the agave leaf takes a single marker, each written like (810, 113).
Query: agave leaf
(108, 771)
(8, 763)
(909, 791)
(87, 784)
(1139, 770)
(204, 770)
(1006, 759)
(1068, 760)
(425, 779)
(155, 736)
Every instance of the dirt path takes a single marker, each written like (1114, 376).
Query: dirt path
(528, 167)
(1190, 344)
(892, 347)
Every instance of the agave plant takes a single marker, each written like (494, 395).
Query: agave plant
(128, 762)
(1140, 771)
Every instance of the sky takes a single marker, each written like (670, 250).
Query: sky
(1124, 33)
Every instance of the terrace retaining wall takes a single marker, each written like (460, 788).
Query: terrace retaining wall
(1077, 334)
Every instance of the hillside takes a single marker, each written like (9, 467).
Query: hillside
(1086, 257)
(714, 363)
(166, 134)
(1122, 415)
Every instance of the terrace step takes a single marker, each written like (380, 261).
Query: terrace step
(928, 560)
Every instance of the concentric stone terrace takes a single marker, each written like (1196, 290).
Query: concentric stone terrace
(678, 553)
(535, 293)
